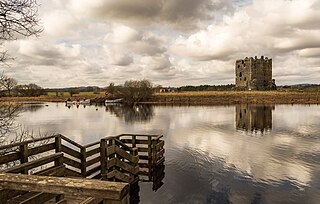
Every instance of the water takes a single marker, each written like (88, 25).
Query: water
(215, 154)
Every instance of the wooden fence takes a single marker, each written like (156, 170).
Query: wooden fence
(120, 158)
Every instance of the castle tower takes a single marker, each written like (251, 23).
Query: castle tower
(254, 74)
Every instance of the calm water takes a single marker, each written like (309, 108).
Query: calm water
(234, 154)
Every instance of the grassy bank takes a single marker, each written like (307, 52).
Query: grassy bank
(198, 98)
(236, 97)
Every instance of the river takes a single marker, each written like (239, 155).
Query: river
(213, 154)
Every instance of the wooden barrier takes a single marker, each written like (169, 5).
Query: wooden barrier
(121, 158)
(108, 192)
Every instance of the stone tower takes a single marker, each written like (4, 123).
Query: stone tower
(254, 74)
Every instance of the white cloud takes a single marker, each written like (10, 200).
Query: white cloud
(170, 42)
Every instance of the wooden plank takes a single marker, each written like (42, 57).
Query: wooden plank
(70, 141)
(138, 141)
(71, 162)
(26, 142)
(63, 201)
(58, 147)
(143, 149)
(35, 163)
(123, 145)
(103, 156)
(71, 173)
(121, 176)
(91, 145)
(110, 150)
(38, 198)
(24, 154)
(6, 194)
(123, 165)
(126, 155)
(160, 154)
(52, 171)
(159, 145)
(92, 201)
(41, 149)
(83, 161)
(143, 165)
(93, 152)
(66, 186)
(9, 157)
(70, 151)
(93, 170)
(93, 161)
(143, 157)
(111, 163)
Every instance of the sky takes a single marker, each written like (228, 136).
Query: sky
(169, 42)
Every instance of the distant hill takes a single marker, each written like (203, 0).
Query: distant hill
(79, 88)
(305, 85)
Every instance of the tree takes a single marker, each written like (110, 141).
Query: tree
(7, 83)
(29, 90)
(135, 91)
(7, 115)
(111, 88)
(18, 18)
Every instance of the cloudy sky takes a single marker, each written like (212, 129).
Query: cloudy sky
(169, 42)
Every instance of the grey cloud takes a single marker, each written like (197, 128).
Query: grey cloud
(183, 14)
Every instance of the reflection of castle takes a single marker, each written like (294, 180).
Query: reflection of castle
(251, 117)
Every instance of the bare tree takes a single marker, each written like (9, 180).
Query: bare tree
(18, 18)
(8, 113)
(7, 83)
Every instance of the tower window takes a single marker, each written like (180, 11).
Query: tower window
(240, 74)
(245, 78)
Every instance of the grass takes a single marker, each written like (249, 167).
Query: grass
(195, 97)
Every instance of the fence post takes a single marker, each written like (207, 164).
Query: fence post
(59, 161)
(134, 137)
(103, 158)
(24, 156)
(83, 161)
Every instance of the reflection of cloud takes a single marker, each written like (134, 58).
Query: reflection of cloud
(203, 148)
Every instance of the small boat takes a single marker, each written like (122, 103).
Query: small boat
(86, 101)
(119, 100)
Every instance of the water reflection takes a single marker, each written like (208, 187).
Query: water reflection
(207, 159)
(252, 117)
(131, 114)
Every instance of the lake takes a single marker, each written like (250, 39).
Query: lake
(213, 154)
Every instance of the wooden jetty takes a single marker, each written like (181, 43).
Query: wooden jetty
(56, 169)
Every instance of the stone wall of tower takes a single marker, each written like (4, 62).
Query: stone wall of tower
(243, 72)
(254, 74)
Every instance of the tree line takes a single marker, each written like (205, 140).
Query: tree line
(10, 87)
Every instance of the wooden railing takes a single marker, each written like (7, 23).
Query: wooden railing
(45, 188)
(120, 158)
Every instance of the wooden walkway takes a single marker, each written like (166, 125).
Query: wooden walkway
(106, 171)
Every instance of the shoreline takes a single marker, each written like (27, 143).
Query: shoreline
(200, 98)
